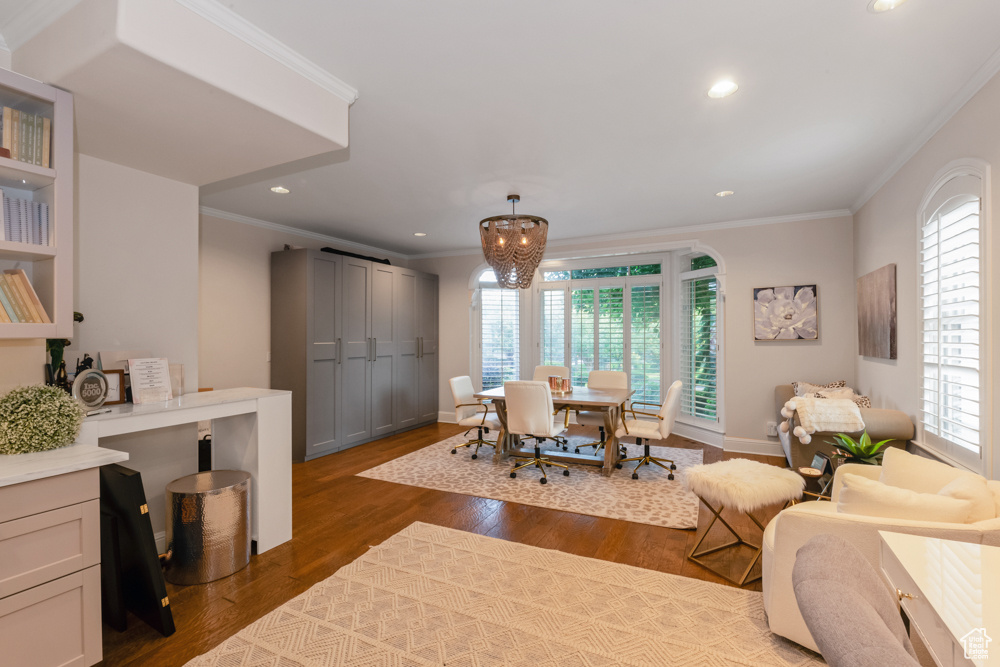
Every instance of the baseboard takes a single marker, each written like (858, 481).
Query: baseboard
(161, 541)
(704, 436)
(447, 417)
(750, 446)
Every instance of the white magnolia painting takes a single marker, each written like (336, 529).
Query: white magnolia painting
(785, 313)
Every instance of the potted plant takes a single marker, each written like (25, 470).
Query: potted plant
(862, 450)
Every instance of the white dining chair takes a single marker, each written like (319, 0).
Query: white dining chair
(542, 374)
(600, 380)
(529, 414)
(471, 412)
(658, 428)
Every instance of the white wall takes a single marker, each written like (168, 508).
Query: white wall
(235, 299)
(886, 231)
(793, 253)
(137, 287)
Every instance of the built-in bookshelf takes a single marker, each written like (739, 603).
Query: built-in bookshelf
(43, 201)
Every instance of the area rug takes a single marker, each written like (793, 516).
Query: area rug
(438, 596)
(651, 499)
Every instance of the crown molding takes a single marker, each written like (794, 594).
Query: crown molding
(228, 20)
(982, 76)
(32, 19)
(285, 229)
(665, 231)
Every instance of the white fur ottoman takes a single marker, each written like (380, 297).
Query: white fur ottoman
(745, 486)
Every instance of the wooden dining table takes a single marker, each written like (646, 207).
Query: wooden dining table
(610, 402)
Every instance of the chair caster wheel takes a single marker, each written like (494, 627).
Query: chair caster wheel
(565, 473)
(670, 476)
(513, 475)
(618, 465)
(543, 480)
(565, 448)
(577, 450)
(454, 451)
(475, 456)
(673, 466)
(635, 475)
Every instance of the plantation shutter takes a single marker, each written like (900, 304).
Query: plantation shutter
(554, 327)
(582, 336)
(611, 329)
(500, 344)
(645, 343)
(950, 298)
(699, 347)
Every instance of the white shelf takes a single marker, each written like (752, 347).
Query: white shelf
(24, 176)
(26, 252)
(18, 468)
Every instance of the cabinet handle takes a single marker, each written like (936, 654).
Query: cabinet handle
(900, 595)
(368, 349)
(418, 347)
(340, 352)
(374, 349)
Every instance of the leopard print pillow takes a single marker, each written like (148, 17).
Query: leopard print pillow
(803, 388)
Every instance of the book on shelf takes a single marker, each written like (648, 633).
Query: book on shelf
(24, 294)
(8, 127)
(46, 141)
(10, 302)
(27, 136)
(5, 304)
(15, 134)
(26, 221)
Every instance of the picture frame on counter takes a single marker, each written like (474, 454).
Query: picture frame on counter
(116, 386)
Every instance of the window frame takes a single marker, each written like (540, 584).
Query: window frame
(681, 276)
(951, 182)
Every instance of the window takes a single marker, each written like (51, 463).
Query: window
(500, 336)
(951, 286)
(645, 342)
(698, 347)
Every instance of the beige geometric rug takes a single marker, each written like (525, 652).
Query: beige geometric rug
(439, 596)
(651, 499)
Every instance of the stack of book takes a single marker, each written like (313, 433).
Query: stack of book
(25, 221)
(27, 136)
(18, 301)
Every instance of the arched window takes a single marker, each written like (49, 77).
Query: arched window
(951, 292)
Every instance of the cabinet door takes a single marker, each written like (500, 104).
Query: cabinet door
(427, 370)
(323, 411)
(356, 300)
(405, 380)
(383, 350)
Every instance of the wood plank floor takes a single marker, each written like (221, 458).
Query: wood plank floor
(338, 516)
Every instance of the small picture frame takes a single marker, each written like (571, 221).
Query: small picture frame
(116, 386)
(821, 462)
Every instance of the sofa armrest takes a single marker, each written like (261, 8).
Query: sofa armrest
(887, 424)
(871, 472)
(782, 394)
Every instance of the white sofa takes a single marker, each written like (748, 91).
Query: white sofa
(794, 526)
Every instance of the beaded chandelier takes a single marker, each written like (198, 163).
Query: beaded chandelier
(513, 245)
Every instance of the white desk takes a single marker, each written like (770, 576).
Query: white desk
(956, 594)
(251, 430)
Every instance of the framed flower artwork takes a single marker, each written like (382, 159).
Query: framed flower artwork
(785, 313)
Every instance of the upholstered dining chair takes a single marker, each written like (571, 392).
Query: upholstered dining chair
(600, 380)
(471, 412)
(529, 414)
(658, 428)
(542, 374)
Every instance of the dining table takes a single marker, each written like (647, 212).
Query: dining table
(610, 402)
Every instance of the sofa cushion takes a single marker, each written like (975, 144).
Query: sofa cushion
(803, 388)
(917, 473)
(994, 486)
(867, 497)
(972, 488)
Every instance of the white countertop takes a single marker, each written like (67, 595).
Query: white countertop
(960, 580)
(17, 468)
(195, 400)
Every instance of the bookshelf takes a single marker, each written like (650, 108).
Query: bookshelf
(49, 268)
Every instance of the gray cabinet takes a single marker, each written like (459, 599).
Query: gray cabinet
(355, 343)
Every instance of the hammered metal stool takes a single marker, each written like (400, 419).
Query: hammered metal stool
(746, 486)
(208, 526)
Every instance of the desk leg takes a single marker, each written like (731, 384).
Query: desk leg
(503, 439)
(611, 446)
(261, 444)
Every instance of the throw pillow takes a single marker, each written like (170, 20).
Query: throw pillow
(972, 488)
(862, 401)
(994, 486)
(917, 473)
(868, 497)
(843, 392)
(803, 388)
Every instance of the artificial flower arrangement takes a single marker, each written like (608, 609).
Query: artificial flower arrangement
(38, 418)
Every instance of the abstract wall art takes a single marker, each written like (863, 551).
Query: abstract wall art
(877, 313)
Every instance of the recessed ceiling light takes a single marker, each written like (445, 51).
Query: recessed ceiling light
(723, 88)
(420, 233)
(281, 190)
(879, 6)
(724, 193)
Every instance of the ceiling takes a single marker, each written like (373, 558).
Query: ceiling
(596, 112)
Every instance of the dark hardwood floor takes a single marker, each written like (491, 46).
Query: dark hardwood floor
(338, 516)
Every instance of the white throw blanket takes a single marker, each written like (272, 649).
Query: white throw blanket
(821, 414)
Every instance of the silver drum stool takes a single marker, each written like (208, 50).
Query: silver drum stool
(208, 526)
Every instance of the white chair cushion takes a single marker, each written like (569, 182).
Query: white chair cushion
(867, 497)
(491, 422)
(916, 473)
(640, 428)
(744, 485)
(972, 488)
(994, 486)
